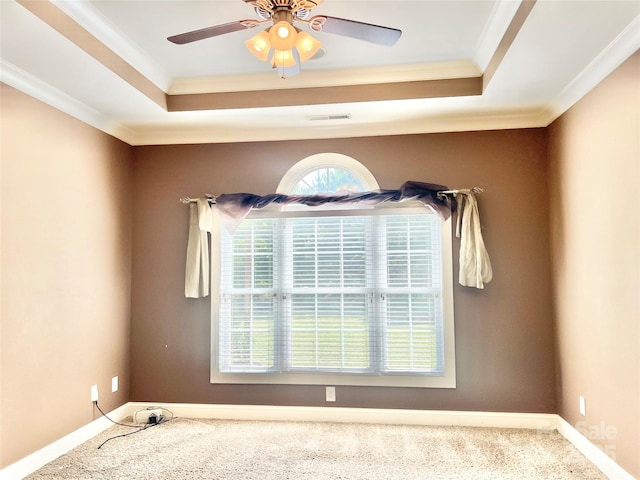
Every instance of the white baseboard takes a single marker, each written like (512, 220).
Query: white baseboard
(535, 421)
(356, 415)
(33, 462)
(596, 456)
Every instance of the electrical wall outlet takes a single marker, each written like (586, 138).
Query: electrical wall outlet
(114, 384)
(330, 394)
(94, 393)
(583, 406)
(149, 415)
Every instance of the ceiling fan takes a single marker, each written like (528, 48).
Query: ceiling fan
(291, 45)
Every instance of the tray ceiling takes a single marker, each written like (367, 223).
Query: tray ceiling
(459, 65)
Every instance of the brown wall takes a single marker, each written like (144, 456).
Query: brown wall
(66, 267)
(504, 334)
(595, 191)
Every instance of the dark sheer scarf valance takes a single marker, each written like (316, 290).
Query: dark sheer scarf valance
(238, 205)
(231, 208)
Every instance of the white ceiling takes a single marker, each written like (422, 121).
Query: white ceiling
(563, 49)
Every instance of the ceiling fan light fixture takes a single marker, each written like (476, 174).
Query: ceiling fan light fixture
(259, 45)
(283, 35)
(307, 46)
(291, 45)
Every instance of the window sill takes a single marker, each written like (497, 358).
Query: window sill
(413, 381)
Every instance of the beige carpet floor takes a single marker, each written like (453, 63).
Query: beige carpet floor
(214, 449)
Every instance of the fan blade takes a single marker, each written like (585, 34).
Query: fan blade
(360, 30)
(209, 32)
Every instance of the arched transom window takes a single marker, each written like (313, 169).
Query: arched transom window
(327, 173)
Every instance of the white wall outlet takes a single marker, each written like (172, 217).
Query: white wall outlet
(114, 384)
(142, 416)
(94, 393)
(330, 393)
(583, 406)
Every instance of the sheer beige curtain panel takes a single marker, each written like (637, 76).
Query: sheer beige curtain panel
(201, 222)
(475, 265)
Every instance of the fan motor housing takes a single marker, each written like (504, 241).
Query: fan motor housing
(291, 5)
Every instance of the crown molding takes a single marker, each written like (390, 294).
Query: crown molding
(498, 24)
(610, 58)
(89, 18)
(36, 88)
(60, 21)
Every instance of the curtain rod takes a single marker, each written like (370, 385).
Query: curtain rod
(208, 196)
(474, 190)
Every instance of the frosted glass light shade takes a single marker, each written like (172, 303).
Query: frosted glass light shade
(283, 36)
(283, 58)
(307, 46)
(259, 45)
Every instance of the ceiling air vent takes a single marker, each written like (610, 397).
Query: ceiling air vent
(337, 116)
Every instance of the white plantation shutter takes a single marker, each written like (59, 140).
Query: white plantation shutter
(248, 302)
(328, 292)
(412, 293)
(342, 292)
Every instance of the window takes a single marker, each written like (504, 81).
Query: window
(342, 296)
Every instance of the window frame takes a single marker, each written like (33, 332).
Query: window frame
(446, 380)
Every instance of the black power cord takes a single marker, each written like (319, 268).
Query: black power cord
(113, 421)
(144, 427)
